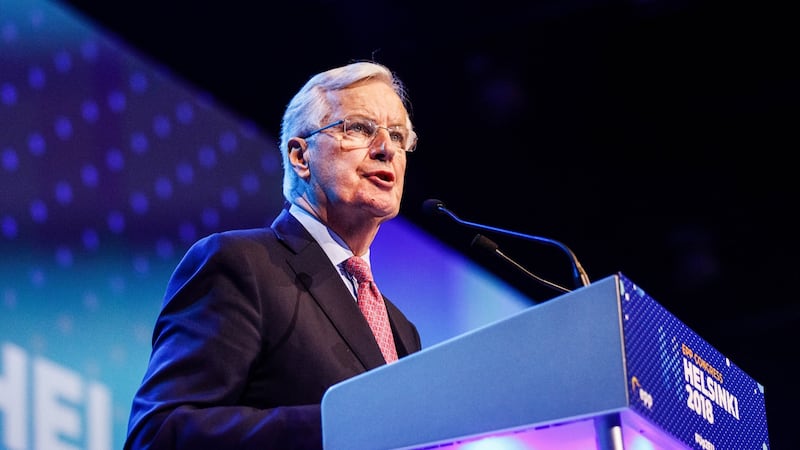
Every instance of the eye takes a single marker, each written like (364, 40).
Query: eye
(360, 127)
(398, 135)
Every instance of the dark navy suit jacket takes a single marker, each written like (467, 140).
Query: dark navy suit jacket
(255, 326)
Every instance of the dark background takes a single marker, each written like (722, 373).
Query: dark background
(654, 138)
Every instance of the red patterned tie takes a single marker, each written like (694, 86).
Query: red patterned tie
(371, 304)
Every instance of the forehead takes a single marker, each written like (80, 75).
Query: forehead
(371, 98)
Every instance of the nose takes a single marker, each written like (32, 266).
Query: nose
(381, 147)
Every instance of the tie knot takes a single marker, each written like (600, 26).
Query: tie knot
(358, 268)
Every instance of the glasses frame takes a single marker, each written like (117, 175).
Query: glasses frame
(412, 136)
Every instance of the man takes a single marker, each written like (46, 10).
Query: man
(257, 324)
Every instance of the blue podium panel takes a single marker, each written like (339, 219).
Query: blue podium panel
(543, 377)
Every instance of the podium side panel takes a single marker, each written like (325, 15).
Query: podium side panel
(682, 384)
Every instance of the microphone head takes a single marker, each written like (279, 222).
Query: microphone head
(432, 206)
(483, 243)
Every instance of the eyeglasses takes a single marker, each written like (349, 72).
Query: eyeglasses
(360, 132)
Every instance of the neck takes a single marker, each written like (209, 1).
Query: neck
(356, 231)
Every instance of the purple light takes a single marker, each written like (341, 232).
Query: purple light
(36, 144)
(91, 240)
(9, 227)
(206, 156)
(141, 265)
(230, 198)
(89, 50)
(162, 126)
(114, 159)
(38, 210)
(139, 142)
(138, 82)
(228, 142)
(271, 162)
(64, 257)
(185, 173)
(163, 187)
(90, 111)
(89, 175)
(187, 232)
(117, 101)
(164, 248)
(63, 128)
(8, 94)
(63, 193)
(10, 32)
(63, 61)
(184, 112)
(210, 218)
(139, 202)
(10, 159)
(250, 183)
(36, 78)
(116, 222)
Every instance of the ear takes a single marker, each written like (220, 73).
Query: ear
(297, 156)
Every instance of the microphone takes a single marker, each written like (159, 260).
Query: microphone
(434, 206)
(483, 243)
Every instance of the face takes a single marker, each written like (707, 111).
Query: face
(362, 183)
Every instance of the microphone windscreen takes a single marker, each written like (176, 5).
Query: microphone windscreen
(483, 243)
(432, 206)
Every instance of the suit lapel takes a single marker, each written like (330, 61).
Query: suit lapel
(322, 281)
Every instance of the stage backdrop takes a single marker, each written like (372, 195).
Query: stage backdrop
(110, 168)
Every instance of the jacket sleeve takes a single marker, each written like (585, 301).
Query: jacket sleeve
(205, 343)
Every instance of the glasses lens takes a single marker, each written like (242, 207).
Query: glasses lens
(361, 131)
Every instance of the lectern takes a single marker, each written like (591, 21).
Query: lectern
(602, 367)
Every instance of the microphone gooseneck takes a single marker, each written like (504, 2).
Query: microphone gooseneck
(434, 206)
